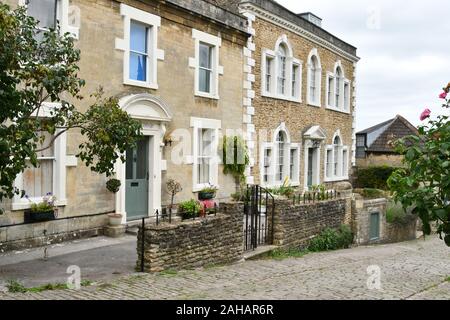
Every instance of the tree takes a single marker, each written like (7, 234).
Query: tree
(38, 67)
(424, 183)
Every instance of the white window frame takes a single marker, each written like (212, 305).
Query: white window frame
(62, 15)
(154, 54)
(217, 70)
(273, 180)
(318, 78)
(215, 125)
(61, 162)
(343, 172)
(330, 91)
(341, 105)
(273, 92)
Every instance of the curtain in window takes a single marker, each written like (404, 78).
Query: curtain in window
(138, 51)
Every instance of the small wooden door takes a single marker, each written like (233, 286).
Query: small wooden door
(375, 226)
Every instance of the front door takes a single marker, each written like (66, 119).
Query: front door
(310, 167)
(137, 181)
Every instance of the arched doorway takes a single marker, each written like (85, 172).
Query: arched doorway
(140, 175)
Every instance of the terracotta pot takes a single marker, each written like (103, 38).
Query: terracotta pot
(115, 219)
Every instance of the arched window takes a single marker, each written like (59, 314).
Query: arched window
(336, 149)
(281, 55)
(280, 146)
(314, 79)
(337, 100)
(281, 72)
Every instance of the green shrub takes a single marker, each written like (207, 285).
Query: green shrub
(369, 193)
(373, 177)
(395, 213)
(332, 239)
(190, 209)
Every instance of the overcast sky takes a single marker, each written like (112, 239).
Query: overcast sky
(404, 48)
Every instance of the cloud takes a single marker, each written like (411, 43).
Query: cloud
(403, 46)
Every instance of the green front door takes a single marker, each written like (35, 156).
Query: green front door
(374, 226)
(310, 171)
(137, 181)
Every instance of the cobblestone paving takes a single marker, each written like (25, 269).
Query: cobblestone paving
(412, 270)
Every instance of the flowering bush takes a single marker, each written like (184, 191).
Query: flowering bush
(424, 183)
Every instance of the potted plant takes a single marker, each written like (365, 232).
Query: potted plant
(41, 211)
(190, 209)
(173, 187)
(113, 185)
(207, 193)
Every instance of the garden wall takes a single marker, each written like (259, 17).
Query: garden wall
(296, 225)
(191, 244)
(399, 232)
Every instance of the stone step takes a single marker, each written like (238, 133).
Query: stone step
(254, 254)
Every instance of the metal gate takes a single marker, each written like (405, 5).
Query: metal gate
(258, 217)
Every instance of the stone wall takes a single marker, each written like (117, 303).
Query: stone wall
(400, 232)
(362, 210)
(296, 225)
(24, 236)
(191, 244)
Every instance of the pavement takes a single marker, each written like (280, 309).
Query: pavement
(100, 259)
(407, 271)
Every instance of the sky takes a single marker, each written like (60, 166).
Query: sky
(404, 48)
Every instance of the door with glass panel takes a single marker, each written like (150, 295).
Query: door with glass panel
(137, 181)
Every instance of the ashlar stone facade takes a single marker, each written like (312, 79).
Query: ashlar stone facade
(167, 97)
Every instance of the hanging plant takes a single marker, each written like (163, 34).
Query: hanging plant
(113, 185)
(235, 157)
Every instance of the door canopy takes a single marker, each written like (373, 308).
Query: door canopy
(146, 107)
(315, 133)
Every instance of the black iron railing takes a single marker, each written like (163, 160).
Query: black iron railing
(313, 197)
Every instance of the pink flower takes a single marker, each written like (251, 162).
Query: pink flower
(425, 114)
(443, 95)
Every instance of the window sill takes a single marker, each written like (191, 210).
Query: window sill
(141, 84)
(337, 110)
(337, 179)
(20, 206)
(207, 95)
(280, 97)
(315, 105)
(199, 187)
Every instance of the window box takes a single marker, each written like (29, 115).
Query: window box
(206, 195)
(31, 217)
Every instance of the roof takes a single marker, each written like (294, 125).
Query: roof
(277, 9)
(381, 136)
(216, 10)
(284, 13)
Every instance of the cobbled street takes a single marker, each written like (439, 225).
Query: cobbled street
(412, 270)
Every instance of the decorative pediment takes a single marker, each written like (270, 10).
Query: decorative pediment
(146, 107)
(315, 133)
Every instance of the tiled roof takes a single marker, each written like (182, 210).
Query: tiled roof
(387, 132)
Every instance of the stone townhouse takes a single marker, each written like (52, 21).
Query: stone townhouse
(177, 66)
(300, 100)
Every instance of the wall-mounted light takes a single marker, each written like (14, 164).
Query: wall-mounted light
(168, 141)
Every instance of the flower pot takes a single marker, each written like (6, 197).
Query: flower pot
(30, 216)
(115, 219)
(206, 195)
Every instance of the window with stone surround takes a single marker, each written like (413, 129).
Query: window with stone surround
(314, 79)
(50, 174)
(281, 72)
(140, 47)
(51, 14)
(205, 147)
(280, 160)
(338, 90)
(336, 160)
(206, 64)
